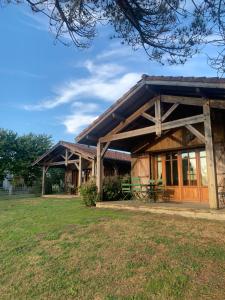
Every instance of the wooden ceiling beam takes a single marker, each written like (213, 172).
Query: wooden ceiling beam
(148, 117)
(169, 111)
(152, 129)
(195, 132)
(194, 101)
(132, 117)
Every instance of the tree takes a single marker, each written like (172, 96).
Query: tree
(17, 153)
(170, 31)
(29, 148)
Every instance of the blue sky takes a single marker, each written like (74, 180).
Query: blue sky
(46, 87)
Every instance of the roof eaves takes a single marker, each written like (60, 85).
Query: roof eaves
(111, 109)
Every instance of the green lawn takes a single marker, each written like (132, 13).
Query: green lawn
(59, 249)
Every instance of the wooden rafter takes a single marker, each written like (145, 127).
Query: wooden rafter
(58, 163)
(149, 117)
(151, 129)
(169, 111)
(197, 133)
(194, 101)
(105, 149)
(133, 117)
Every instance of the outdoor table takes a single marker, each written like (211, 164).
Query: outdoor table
(150, 190)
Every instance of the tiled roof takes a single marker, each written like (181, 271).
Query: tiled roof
(214, 82)
(185, 79)
(86, 150)
(110, 154)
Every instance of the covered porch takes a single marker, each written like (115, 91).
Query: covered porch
(78, 163)
(182, 209)
(174, 129)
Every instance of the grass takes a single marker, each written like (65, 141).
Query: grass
(59, 249)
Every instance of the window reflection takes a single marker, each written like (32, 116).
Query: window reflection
(189, 168)
(203, 168)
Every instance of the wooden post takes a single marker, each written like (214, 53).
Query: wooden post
(210, 157)
(80, 172)
(99, 175)
(66, 157)
(158, 126)
(43, 181)
(93, 168)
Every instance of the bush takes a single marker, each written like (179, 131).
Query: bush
(112, 190)
(89, 193)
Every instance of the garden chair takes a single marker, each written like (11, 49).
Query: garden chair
(126, 190)
(136, 187)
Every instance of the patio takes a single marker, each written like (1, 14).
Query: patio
(184, 209)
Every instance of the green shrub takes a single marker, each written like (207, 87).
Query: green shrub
(112, 190)
(89, 193)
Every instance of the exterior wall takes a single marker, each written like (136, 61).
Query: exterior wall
(71, 180)
(143, 164)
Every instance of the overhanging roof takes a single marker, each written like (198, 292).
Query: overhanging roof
(83, 150)
(143, 91)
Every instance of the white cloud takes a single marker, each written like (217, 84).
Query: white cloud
(106, 82)
(83, 114)
(76, 121)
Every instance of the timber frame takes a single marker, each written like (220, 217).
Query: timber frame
(79, 158)
(206, 95)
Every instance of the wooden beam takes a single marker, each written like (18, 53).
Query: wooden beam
(69, 157)
(158, 125)
(152, 129)
(148, 117)
(210, 158)
(105, 149)
(59, 163)
(169, 111)
(43, 181)
(197, 133)
(195, 101)
(99, 175)
(93, 168)
(152, 83)
(133, 117)
(66, 157)
(80, 172)
(77, 165)
(183, 100)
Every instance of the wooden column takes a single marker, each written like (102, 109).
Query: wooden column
(158, 126)
(93, 168)
(43, 181)
(99, 173)
(210, 157)
(80, 172)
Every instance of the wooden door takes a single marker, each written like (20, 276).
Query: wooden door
(184, 174)
(141, 168)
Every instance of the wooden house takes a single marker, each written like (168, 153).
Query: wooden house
(174, 128)
(79, 163)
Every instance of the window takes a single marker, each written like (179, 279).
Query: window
(203, 168)
(189, 168)
(159, 167)
(171, 169)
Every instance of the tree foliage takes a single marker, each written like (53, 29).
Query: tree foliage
(170, 31)
(17, 153)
